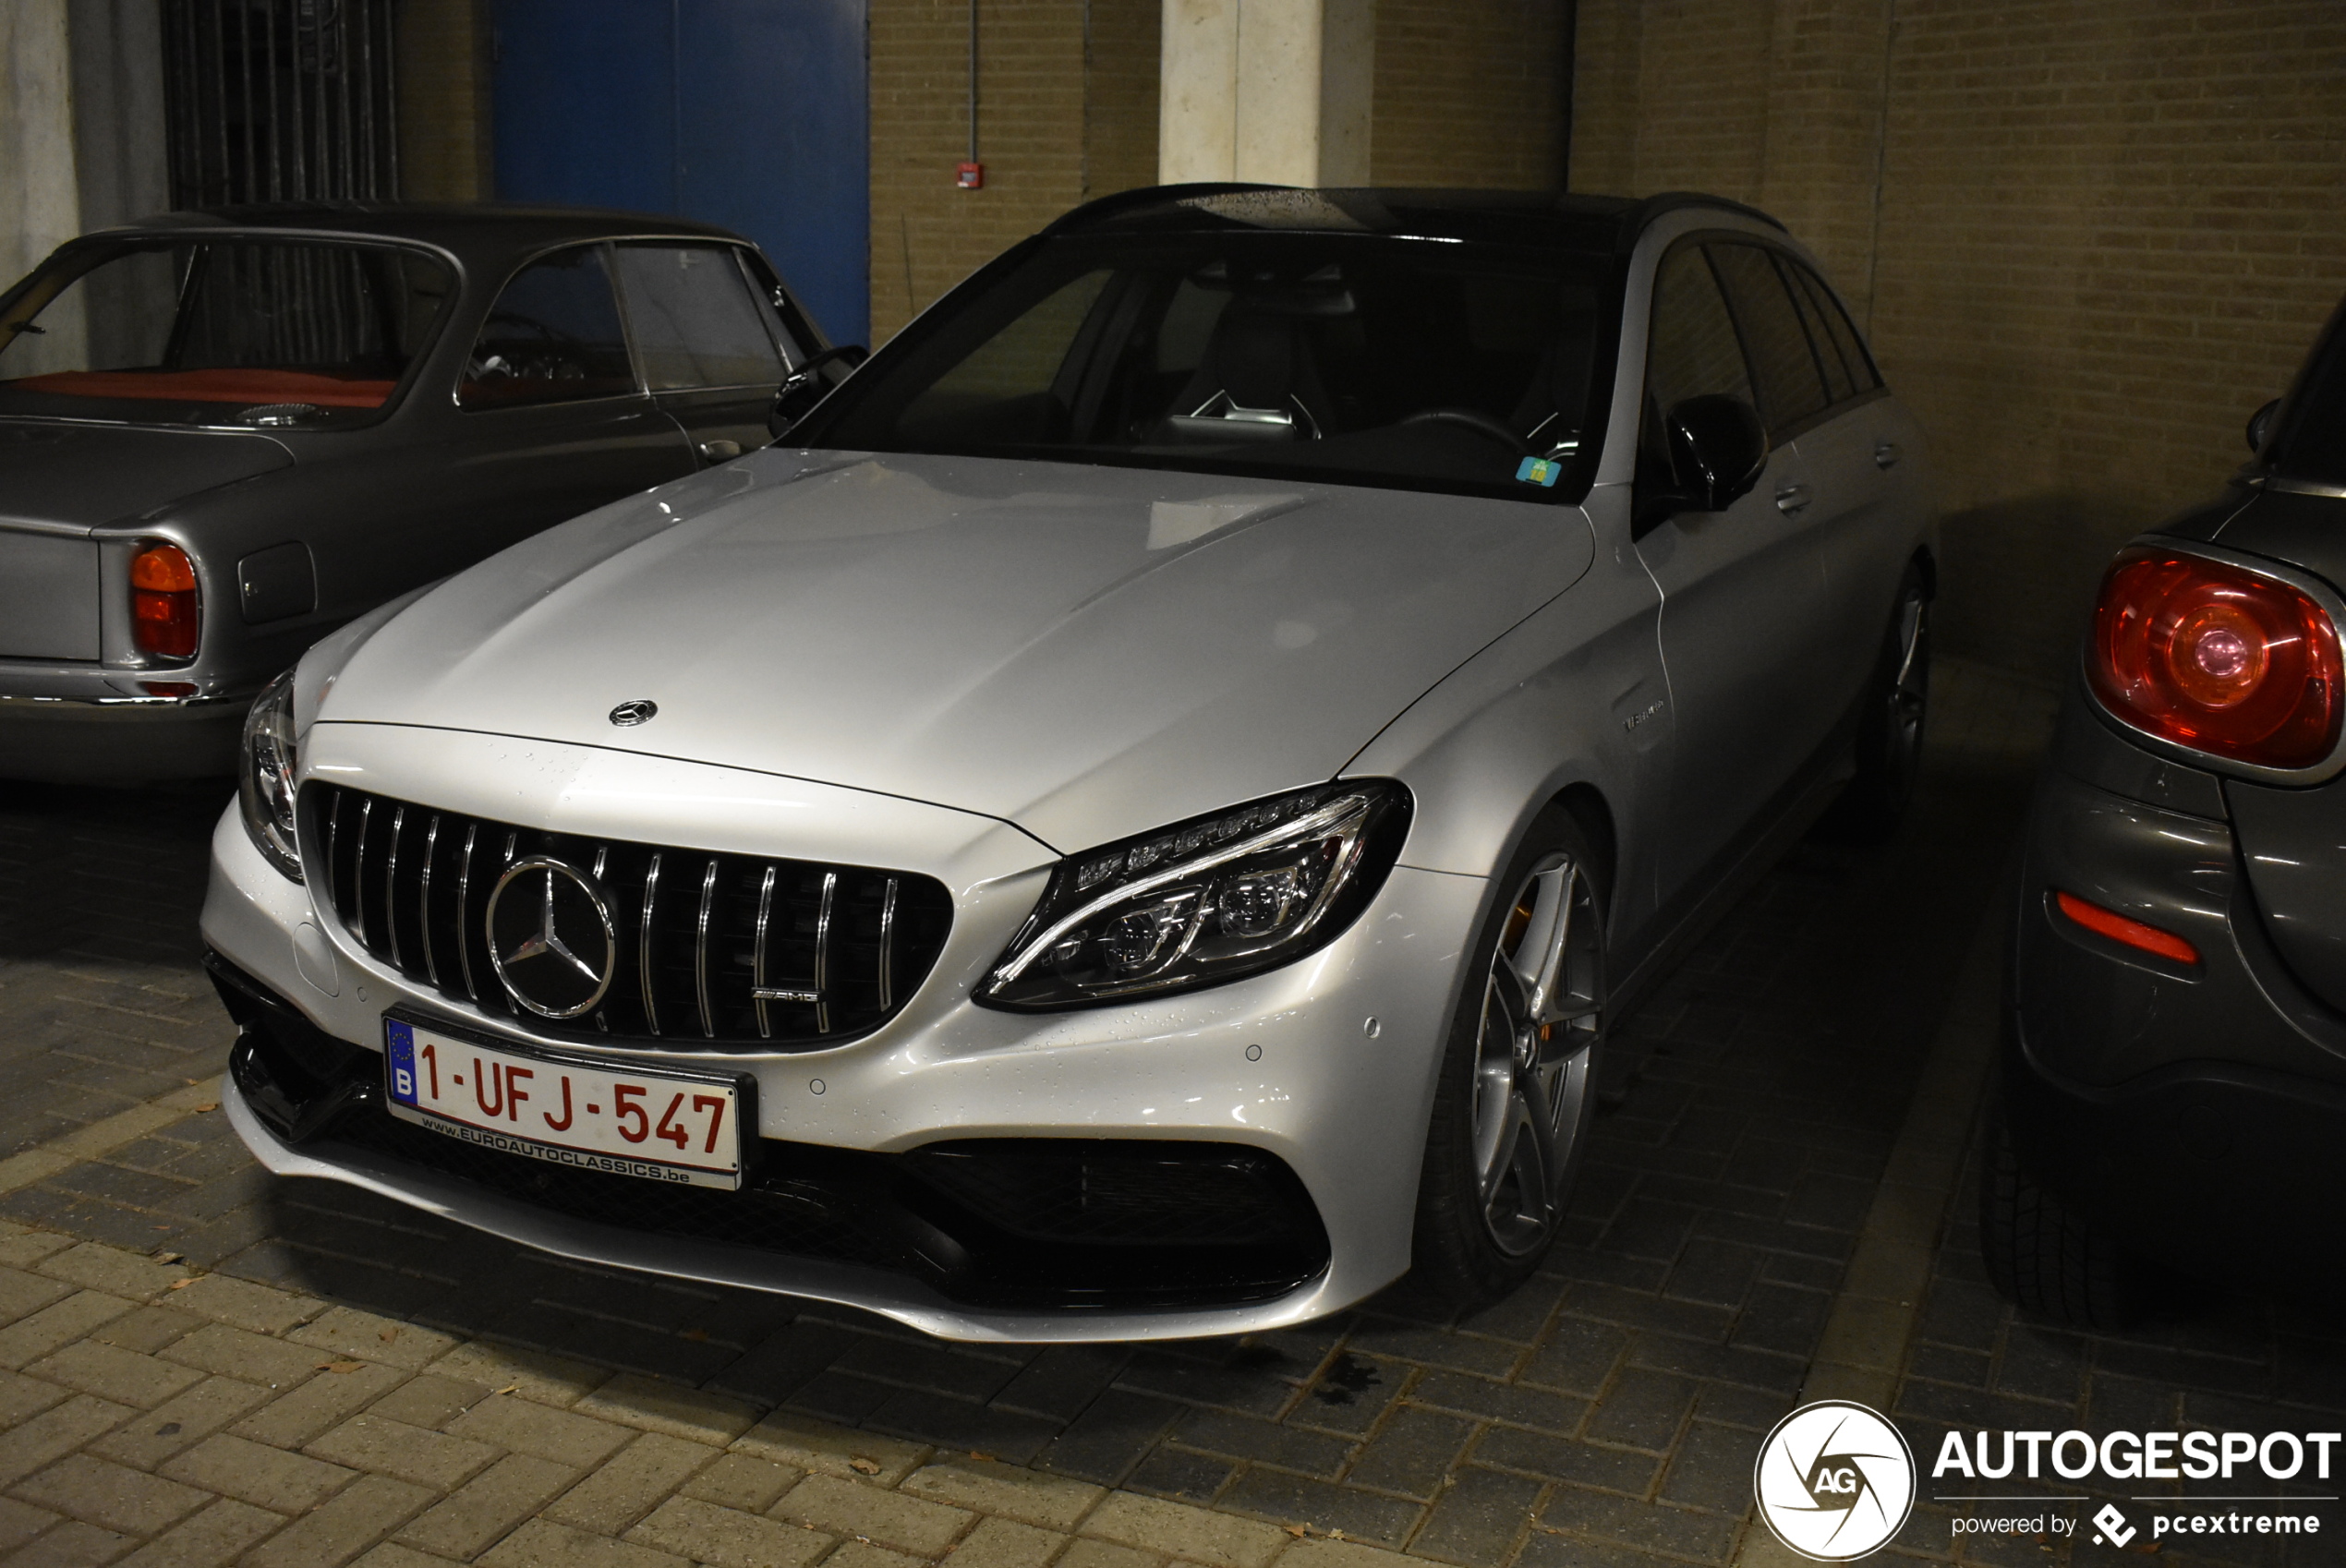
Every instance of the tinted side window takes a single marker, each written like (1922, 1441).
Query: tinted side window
(1839, 387)
(1846, 341)
(695, 321)
(552, 336)
(1791, 388)
(1691, 350)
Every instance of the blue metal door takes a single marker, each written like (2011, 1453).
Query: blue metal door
(752, 113)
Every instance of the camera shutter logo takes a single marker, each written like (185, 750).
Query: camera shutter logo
(1834, 1480)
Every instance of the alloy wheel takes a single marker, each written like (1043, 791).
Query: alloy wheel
(1543, 1012)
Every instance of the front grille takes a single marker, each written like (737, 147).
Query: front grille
(726, 950)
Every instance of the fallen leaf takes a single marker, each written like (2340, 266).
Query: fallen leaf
(167, 1256)
(388, 1336)
(510, 1388)
(340, 1366)
(863, 1467)
(1335, 1535)
(698, 1336)
(981, 1453)
(207, 1106)
(1295, 1530)
(181, 1284)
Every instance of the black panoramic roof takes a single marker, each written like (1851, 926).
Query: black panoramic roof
(1511, 217)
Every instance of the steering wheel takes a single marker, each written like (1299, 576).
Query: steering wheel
(1473, 419)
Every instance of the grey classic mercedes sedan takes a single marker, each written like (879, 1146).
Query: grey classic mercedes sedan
(224, 433)
(1131, 819)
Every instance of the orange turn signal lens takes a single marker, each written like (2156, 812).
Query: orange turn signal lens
(2133, 933)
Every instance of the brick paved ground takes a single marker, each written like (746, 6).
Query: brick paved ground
(1608, 1413)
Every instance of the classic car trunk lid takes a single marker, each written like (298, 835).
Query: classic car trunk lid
(2292, 842)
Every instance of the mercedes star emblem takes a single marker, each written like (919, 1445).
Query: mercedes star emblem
(551, 937)
(635, 711)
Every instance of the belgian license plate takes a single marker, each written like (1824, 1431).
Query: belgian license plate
(663, 1127)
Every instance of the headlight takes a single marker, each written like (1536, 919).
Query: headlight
(265, 776)
(1204, 901)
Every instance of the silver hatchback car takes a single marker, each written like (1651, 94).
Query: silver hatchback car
(1131, 819)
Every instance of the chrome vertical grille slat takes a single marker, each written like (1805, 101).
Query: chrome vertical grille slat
(700, 950)
(645, 972)
(888, 946)
(778, 955)
(757, 953)
(431, 850)
(823, 955)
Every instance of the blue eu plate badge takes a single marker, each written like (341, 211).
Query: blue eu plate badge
(399, 1042)
(1540, 471)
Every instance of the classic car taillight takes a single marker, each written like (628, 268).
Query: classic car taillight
(164, 617)
(2217, 657)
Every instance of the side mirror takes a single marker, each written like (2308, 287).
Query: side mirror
(2260, 424)
(808, 385)
(1718, 447)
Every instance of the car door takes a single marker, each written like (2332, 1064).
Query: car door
(713, 351)
(1742, 588)
(554, 420)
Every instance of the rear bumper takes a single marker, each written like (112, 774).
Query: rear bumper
(119, 739)
(2212, 1169)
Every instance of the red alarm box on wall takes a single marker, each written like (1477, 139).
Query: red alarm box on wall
(970, 176)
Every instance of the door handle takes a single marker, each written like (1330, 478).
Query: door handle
(1887, 455)
(1792, 498)
(719, 451)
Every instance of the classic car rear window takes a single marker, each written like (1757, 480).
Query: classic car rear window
(219, 330)
(1349, 357)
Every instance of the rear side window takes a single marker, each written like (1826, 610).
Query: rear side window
(696, 322)
(553, 336)
(1792, 387)
(1838, 340)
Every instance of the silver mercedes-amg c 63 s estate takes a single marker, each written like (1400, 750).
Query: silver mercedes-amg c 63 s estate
(1131, 817)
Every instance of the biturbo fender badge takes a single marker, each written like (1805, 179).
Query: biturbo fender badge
(541, 914)
(635, 711)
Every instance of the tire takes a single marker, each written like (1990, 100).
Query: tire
(1890, 731)
(2039, 1256)
(1517, 1085)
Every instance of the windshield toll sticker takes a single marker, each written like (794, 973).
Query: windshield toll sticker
(1539, 471)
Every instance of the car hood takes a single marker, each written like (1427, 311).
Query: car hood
(1085, 652)
(84, 477)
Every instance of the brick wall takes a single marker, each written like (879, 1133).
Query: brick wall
(1066, 105)
(1470, 92)
(442, 65)
(2089, 239)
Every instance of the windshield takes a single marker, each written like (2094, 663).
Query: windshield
(1343, 357)
(228, 331)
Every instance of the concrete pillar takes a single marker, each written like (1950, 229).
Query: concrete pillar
(40, 198)
(1276, 90)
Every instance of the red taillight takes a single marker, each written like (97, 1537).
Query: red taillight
(2133, 933)
(2218, 658)
(163, 615)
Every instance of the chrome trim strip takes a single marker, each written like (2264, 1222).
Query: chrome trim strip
(464, 912)
(700, 950)
(2306, 488)
(644, 949)
(888, 947)
(602, 858)
(333, 840)
(757, 953)
(431, 848)
(358, 876)
(823, 953)
(391, 887)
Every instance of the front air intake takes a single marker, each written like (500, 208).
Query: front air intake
(705, 949)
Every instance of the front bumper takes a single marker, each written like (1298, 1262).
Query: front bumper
(1284, 1064)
